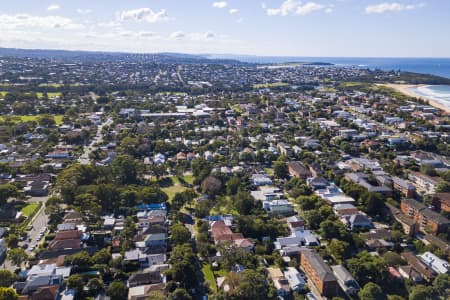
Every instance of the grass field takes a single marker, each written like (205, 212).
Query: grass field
(49, 95)
(270, 85)
(269, 171)
(172, 190)
(209, 276)
(58, 119)
(189, 178)
(3, 93)
(54, 85)
(30, 209)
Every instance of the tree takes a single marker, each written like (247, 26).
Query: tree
(180, 234)
(183, 268)
(7, 278)
(7, 191)
(95, 286)
(244, 203)
(233, 185)
(8, 294)
(443, 187)
(117, 291)
(367, 268)
(17, 256)
(180, 294)
(211, 186)
(102, 257)
(156, 295)
(81, 259)
(421, 292)
(339, 249)
(46, 120)
(76, 283)
(371, 291)
(441, 285)
(281, 170)
(125, 169)
(253, 285)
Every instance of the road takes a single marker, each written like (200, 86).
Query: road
(40, 221)
(98, 139)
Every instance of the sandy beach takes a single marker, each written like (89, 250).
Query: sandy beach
(407, 90)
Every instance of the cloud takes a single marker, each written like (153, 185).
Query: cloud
(296, 7)
(84, 11)
(391, 7)
(145, 15)
(177, 35)
(148, 34)
(9, 22)
(220, 4)
(53, 7)
(308, 8)
(233, 11)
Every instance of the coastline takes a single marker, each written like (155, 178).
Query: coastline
(407, 90)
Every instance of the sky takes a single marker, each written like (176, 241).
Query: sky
(311, 28)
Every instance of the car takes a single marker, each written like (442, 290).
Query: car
(31, 248)
(24, 246)
(310, 296)
(30, 227)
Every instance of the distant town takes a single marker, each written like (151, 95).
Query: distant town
(170, 176)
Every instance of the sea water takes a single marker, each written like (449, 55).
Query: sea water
(439, 93)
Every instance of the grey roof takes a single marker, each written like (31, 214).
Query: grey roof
(343, 275)
(317, 263)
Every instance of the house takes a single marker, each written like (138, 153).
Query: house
(221, 233)
(426, 272)
(342, 210)
(439, 265)
(318, 272)
(441, 201)
(159, 159)
(334, 195)
(267, 194)
(407, 189)
(317, 183)
(261, 180)
(157, 240)
(36, 188)
(141, 292)
(423, 183)
(46, 293)
(279, 281)
(295, 223)
(295, 279)
(409, 226)
(357, 221)
(408, 272)
(345, 280)
(284, 149)
(363, 180)
(35, 283)
(144, 278)
(298, 238)
(297, 169)
(428, 220)
(280, 207)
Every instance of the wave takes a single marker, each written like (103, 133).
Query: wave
(430, 92)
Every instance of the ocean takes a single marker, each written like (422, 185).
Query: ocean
(440, 93)
(434, 66)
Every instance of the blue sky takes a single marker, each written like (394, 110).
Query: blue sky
(344, 28)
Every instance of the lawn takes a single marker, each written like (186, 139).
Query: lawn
(55, 85)
(30, 209)
(270, 85)
(209, 276)
(49, 94)
(269, 171)
(189, 178)
(172, 190)
(58, 119)
(3, 93)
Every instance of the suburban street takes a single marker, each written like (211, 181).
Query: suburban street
(40, 221)
(98, 138)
